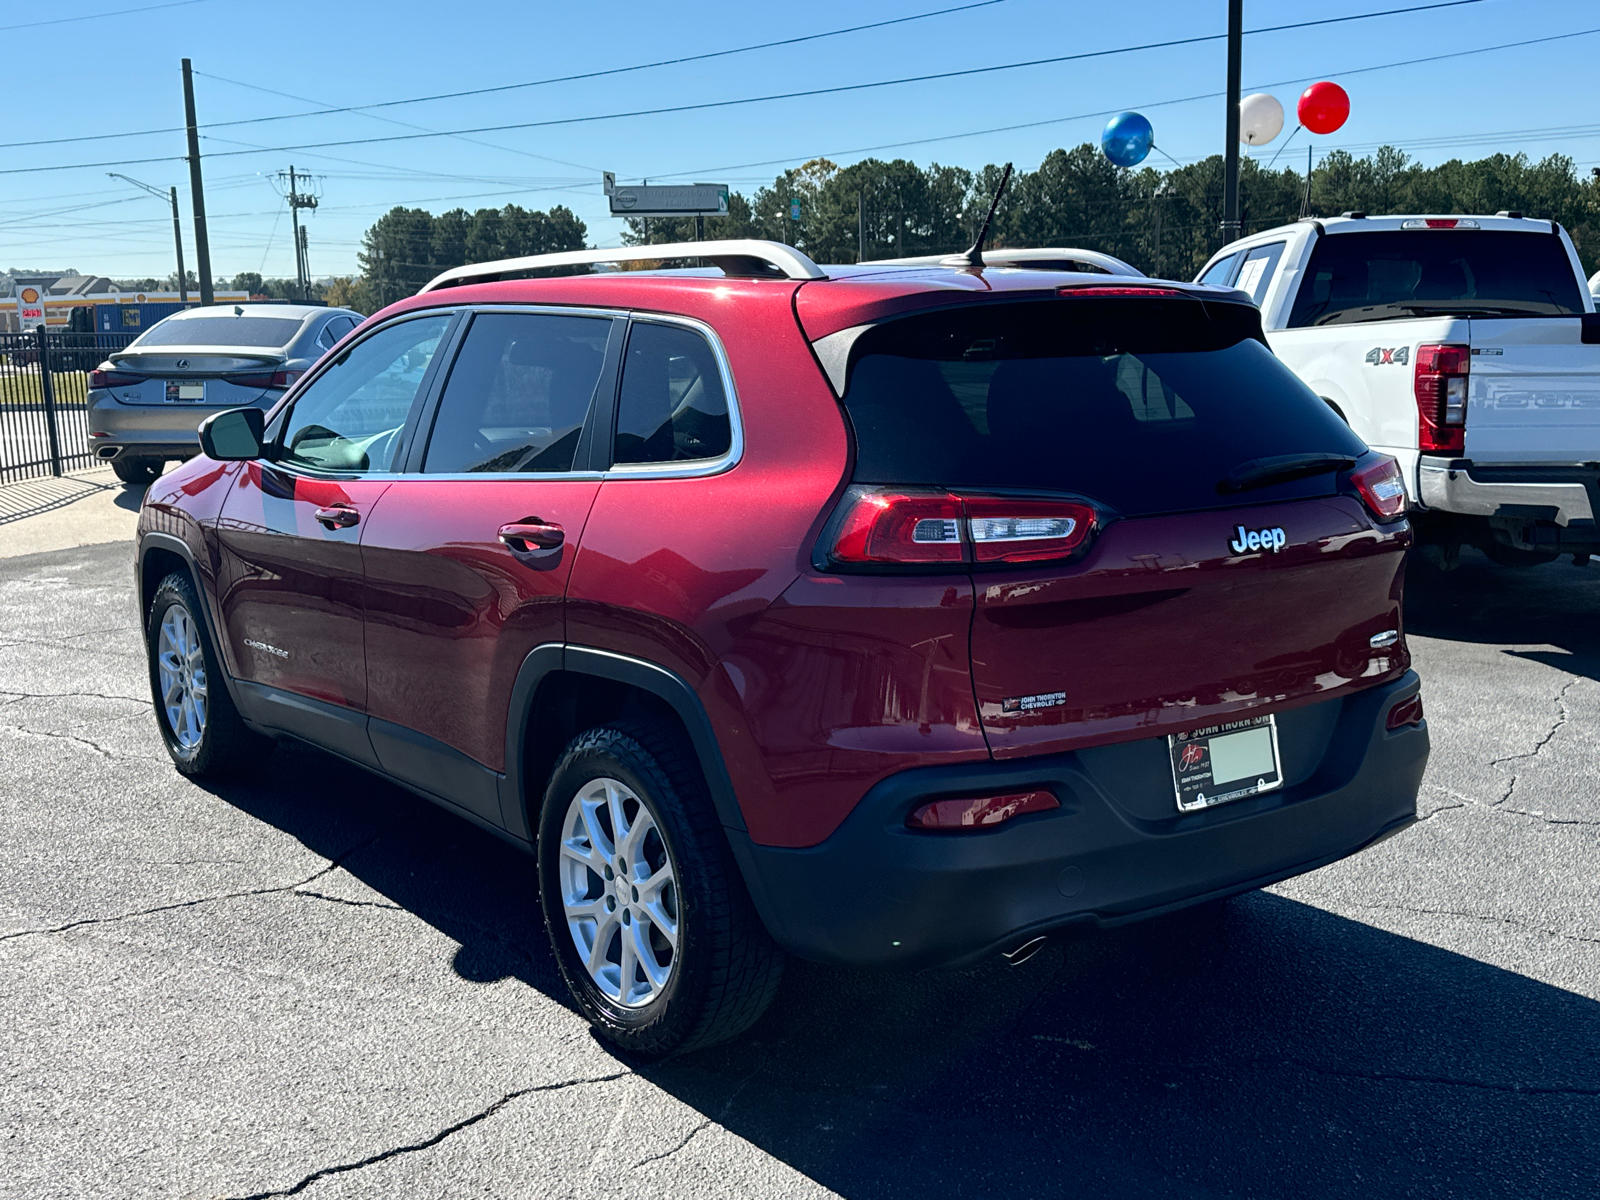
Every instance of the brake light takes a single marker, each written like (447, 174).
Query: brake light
(1440, 384)
(265, 379)
(1407, 712)
(1097, 291)
(1382, 488)
(905, 527)
(114, 379)
(1439, 223)
(985, 812)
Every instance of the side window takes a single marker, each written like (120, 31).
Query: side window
(672, 407)
(1219, 271)
(518, 394)
(350, 417)
(333, 331)
(1256, 271)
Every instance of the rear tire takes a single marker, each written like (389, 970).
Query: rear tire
(138, 472)
(665, 953)
(200, 726)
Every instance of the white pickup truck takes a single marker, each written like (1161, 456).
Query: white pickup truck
(1467, 347)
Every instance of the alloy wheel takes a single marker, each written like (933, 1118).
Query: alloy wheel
(181, 668)
(619, 890)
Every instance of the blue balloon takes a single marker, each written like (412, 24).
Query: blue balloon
(1127, 139)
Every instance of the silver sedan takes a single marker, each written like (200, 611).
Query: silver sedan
(146, 402)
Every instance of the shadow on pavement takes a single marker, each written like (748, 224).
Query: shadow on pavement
(1266, 1049)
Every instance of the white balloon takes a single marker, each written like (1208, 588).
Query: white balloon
(1260, 119)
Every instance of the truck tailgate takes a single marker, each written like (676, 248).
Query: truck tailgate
(1533, 393)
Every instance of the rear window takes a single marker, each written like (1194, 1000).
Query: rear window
(1142, 405)
(1404, 273)
(223, 331)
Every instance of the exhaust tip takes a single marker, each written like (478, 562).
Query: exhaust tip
(107, 453)
(1021, 954)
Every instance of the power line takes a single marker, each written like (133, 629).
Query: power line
(361, 108)
(121, 12)
(950, 137)
(853, 87)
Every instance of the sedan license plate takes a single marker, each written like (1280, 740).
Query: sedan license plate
(185, 393)
(1225, 762)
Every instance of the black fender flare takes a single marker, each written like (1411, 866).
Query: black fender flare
(176, 545)
(667, 686)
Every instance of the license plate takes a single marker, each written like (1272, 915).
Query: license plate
(1225, 762)
(185, 393)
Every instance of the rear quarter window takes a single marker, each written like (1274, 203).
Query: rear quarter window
(1141, 405)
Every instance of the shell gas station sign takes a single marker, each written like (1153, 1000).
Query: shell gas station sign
(30, 306)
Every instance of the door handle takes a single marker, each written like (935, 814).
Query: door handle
(527, 536)
(338, 516)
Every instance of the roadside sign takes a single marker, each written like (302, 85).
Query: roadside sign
(30, 306)
(794, 209)
(669, 200)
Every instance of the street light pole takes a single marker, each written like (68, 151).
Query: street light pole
(177, 226)
(1230, 156)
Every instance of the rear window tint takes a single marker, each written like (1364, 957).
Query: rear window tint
(672, 407)
(1397, 273)
(1141, 405)
(223, 331)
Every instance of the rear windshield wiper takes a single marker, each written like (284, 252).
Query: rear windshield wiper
(1259, 472)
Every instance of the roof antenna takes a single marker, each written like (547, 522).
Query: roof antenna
(973, 257)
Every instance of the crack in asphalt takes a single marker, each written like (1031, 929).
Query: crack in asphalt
(350, 903)
(1486, 918)
(1515, 1089)
(18, 697)
(689, 1137)
(1499, 807)
(114, 755)
(430, 1142)
(333, 865)
(1565, 715)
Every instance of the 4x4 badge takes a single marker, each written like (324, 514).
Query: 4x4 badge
(1380, 356)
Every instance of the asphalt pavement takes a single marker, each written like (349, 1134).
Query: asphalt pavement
(310, 983)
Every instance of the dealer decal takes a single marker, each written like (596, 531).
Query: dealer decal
(1022, 704)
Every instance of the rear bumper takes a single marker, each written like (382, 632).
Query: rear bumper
(143, 430)
(1559, 494)
(877, 894)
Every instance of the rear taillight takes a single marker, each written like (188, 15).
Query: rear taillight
(114, 379)
(1382, 488)
(1407, 712)
(1440, 385)
(903, 527)
(983, 812)
(265, 379)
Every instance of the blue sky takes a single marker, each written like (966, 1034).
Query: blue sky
(119, 74)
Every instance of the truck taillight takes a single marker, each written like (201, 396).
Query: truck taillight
(904, 527)
(1440, 385)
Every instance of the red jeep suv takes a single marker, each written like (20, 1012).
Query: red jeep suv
(886, 615)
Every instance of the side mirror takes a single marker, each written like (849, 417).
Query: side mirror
(234, 435)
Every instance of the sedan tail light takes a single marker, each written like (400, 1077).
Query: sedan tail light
(265, 379)
(114, 379)
(901, 527)
(1440, 385)
(1382, 488)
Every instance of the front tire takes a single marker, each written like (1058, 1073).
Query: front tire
(199, 724)
(651, 925)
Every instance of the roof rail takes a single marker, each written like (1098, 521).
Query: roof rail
(736, 256)
(1049, 258)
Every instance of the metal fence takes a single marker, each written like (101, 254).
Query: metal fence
(44, 387)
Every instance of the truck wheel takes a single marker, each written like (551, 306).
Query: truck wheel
(1512, 556)
(654, 933)
(138, 471)
(202, 729)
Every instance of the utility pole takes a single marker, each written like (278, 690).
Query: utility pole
(861, 226)
(177, 228)
(1230, 158)
(298, 200)
(197, 191)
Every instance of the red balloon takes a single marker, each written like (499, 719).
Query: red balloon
(1323, 107)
